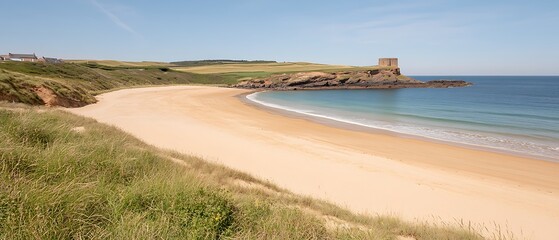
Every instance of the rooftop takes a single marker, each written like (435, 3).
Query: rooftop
(19, 55)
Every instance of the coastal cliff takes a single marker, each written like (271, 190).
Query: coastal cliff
(376, 78)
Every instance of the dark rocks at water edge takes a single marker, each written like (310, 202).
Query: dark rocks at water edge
(378, 78)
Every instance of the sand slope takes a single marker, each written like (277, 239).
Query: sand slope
(367, 172)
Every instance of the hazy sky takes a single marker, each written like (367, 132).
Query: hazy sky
(429, 37)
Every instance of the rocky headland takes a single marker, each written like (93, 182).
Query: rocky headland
(375, 78)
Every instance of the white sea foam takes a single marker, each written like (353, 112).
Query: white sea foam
(252, 97)
(449, 135)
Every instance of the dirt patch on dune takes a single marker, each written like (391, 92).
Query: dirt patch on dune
(47, 95)
(51, 99)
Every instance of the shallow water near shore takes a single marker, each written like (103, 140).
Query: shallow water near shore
(518, 114)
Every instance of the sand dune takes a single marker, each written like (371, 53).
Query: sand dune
(369, 172)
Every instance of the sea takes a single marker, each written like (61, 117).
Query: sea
(515, 114)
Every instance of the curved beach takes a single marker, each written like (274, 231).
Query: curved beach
(366, 171)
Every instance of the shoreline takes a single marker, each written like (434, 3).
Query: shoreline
(366, 172)
(330, 123)
(320, 119)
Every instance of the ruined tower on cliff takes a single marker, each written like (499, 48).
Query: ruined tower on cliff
(388, 62)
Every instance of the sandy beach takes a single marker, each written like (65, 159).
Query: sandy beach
(365, 171)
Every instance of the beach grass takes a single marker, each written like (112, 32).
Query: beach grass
(64, 176)
(102, 77)
(19, 81)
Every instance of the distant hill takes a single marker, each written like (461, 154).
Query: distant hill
(217, 61)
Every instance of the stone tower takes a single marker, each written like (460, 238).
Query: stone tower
(388, 62)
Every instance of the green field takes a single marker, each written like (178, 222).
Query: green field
(217, 62)
(246, 71)
(260, 67)
(115, 63)
(68, 177)
(231, 71)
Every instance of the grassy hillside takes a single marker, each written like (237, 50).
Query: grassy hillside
(249, 70)
(77, 83)
(74, 84)
(67, 177)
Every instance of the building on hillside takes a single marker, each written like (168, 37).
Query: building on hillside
(50, 60)
(3, 57)
(388, 62)
(22, 57)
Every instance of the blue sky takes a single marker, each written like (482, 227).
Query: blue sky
(429, 37)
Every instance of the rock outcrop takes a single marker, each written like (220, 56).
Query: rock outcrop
(377, 78)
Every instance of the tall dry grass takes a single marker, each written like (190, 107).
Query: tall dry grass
(67, 177)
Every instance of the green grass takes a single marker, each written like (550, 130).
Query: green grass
(80, 82)
(68, 177)
(19, 87)
(288, 67)
(102, 77)
(239, 76)
(115, 63)
(216, 62)
(250, 70)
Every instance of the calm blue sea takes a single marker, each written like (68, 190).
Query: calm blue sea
(512, 113)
